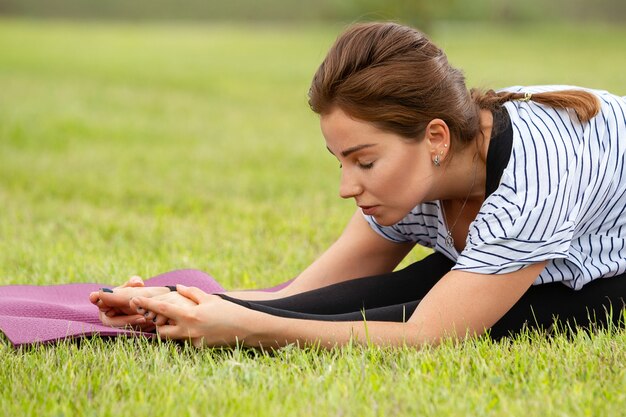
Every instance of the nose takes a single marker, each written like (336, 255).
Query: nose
(349, 187)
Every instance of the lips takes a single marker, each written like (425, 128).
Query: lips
(369, 210)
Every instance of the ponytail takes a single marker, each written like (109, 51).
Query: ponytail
(583, 103)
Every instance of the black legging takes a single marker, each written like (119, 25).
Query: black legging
(394, 297)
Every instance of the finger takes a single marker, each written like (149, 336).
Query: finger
(123, 321)
(172, 331)
(134, 281)
(194, 294)
(133, 306)
(93, 297)
(103, 307)
(148, 327)
(121, 299)
(112, 299)
(149, 315)
(160, 320)
(164, 308)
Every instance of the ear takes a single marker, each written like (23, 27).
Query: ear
(437, 134)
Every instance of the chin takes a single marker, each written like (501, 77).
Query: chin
(387, 220)
(389, 217)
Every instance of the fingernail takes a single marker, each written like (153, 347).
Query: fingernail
(106, 290)
(181, 286)
(146, 314)
(140, 320)
(154, 320)
(139, 309)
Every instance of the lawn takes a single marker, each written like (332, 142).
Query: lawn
(138, 149)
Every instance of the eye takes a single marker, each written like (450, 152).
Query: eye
(366, 166)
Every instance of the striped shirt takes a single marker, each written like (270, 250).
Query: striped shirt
(561, 199)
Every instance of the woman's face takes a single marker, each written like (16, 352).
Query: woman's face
(385, 174)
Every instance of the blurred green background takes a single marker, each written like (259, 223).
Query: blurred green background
(418, 12)
(148, 136)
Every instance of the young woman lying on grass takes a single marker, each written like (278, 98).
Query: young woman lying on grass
(521, 193)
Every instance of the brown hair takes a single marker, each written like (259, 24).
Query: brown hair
(584, 104)
(394, 77)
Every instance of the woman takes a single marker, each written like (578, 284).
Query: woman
(521, 193)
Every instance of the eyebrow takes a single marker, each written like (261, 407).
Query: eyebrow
(347, 152)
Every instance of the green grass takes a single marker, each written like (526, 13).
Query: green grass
(141, 149)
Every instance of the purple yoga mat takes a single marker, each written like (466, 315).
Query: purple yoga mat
(43, 314)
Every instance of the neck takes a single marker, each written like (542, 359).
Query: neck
(465, 177)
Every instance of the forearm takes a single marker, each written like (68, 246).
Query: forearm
(264, 330)
(461, 304)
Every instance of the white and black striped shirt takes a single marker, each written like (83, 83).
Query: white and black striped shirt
(561, 198)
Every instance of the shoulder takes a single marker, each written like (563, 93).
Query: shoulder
(552, 143)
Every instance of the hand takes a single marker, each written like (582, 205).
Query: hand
(212, 322)
(172, 298)
(116, 303)
(115, 308)
(145, 320)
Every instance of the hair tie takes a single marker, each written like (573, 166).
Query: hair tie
(527, 97)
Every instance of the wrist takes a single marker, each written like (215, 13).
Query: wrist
(262, 330)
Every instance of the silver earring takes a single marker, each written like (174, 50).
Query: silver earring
(437, 161)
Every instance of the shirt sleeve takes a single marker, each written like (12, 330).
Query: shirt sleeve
(550, 193)
(507, 236)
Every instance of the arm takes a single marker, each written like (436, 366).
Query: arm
(461, 304)
(358, 252)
